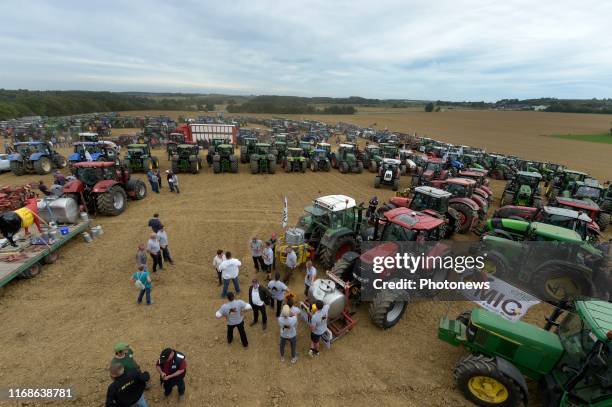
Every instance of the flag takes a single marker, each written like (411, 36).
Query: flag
(285, 214)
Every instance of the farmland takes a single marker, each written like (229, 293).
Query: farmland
(80, 306)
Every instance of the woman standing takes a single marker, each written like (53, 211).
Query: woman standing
(288, 333)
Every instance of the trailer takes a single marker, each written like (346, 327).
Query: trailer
(26, 260)
(202, 134)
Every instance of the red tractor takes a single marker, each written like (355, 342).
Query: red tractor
(482, 183)
(104, 187)
(434, 169)
(464, 188)
(585, 206)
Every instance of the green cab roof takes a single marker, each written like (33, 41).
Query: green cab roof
(557, 233)
(598, 314)
(137, 146)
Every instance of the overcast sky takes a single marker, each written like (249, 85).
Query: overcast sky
(434, 49)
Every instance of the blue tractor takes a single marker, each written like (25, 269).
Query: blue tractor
(97, 151)
(35, 157)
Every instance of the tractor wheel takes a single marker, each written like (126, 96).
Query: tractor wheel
(194, 166)
(496, 265)
(415, 181)
(272, 166)
(51, 258)
(603, 220)
(32, 272)
(329, 255)
(334, 161)
(396, 184)
(233, 164)
(555, 283)
(147, 164)
(313, 166)
(254, 166)
(139, 188)
(175, 166)
(127, 164)
(343, 166)
(155, 162)
(359, 167)
(244, 158)
(112, 202)
(465, 217)
(465, 317)
(507, 199)
(43, 166)
(387, 308)
(216, 167)
(17, 168)
(327, 166)
(377, 182)
(478, 377)
(372, 166)
(303, 166)
(60, 161)
(287, 166)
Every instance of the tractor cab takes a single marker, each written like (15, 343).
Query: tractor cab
(429, 198)
(390, 150)
(225, 149)
(90, 173)
(185, 150)
(346, 150)
(585, 206)
(324, 146)
(89, 137)
(589, 189)
(178, 138)
(306, 146)
(335, 212)
(263, 148)
(566, 218)
(406, 225)
(171, 147)
(319, 153)
(98, 151)
(295, 152)
(460, 187)
(138, 151)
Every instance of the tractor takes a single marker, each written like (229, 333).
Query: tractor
(307, 148)
(104, 187)
(295, 160)
(319, 160)
(523, 189)
(550, 261)
(247, 148)
(564, 182)
(585, 206)
(98, 151)
(327, 148)
(346, 159)
(506, 218)
(347, 278)
(35, 156)
(212, 145)
(174, 139)
(263, 160)
(570, 359)
(372, 157)
(388, 173)
(434, 169)
(482, 188)
(408, 160)
(281, 151)
(224, 159)
(186, 158)
(139, 158)
(390, 150)
(464, 189)
(333, 225)
(499, 167)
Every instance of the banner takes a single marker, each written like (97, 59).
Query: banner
(285, 220)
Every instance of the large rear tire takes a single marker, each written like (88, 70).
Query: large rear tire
(43, 166)
(272, 166)
(139, 188)
(254, 166)
(112, 202)
(233, 164)
(466, 217)
(507, 199)
(32, 272)
(478, 377)
(17, 168)
(60, 161)
(194, 166)
(329, 255)
(387, 308)
(147, 164)
(359, 167)
(555, 283)
(344, 167)
(395, 184)
(216, 167)
(603, 220)
(372, 166)
(175, 166)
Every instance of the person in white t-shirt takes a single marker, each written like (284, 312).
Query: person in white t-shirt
(311, 275)
(217, 260)
(229, 271)
(259, 296)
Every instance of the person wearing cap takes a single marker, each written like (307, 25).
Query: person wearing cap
(268, 259)
(124, 355)
(318, 326)
(278, 289)
(172, 368)
(310, 277)
(233, 311)
(154, 249)
(127, 388)
(217, 260)
(288, 332)
(258, 298)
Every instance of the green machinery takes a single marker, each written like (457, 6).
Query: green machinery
(263, 160)
(224, 159)
(523, 189)
(346, 159)
(295, 160)
(564, 182)
(186, 158)
(570, 358)
(372, 157)
(247, 148)
(138, 158)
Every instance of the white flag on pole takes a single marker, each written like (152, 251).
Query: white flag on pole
(285, 214)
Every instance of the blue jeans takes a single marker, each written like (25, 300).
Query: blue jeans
(142, 293)
(154, 186)
(226, 282)
(141, 402)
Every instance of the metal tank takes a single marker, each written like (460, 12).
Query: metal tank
(326, 291)
(294, 236)
(58, 210)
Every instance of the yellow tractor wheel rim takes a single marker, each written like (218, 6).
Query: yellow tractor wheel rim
(560, 287)
(488, 389)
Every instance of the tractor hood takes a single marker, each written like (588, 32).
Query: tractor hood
(15, 157)
(384, 250)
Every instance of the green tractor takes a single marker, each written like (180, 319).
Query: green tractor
(390, 150)
(186, 158)
(307, 148)
(346, 159)
(139, 158)
(263, 160)
(564, 182)
(372, 157)
(212, 146)
(295, 160)
(570, 359)
(281, 151)
(247, 148)
(333, 225)
(224, 159)
(523, 189)
(499, 167)
(549, 261)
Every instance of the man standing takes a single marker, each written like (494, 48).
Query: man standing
(159, 178)
(290, 265)
(162, 237)
(311, 275)
(233, 310)
(257, 253)
(229, 271)
(217, 260)
(154, 250)
(175, 182)
(169, 179)
(273, 241)
(258, 298)
(152, 177)
(268, 259)
(141, 256)
(277, 289)
(172, 368)
(318, 326)
(127, 388)
(155, 223)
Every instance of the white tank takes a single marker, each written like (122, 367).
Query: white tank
(294, 236)
(59, 210)
(326, 291)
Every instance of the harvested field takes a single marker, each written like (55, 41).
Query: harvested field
(79, 307)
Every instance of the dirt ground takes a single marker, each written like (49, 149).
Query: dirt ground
(59, 329)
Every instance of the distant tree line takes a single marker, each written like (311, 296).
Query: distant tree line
(290, 105)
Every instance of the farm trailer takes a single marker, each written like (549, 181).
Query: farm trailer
(36, 255)
(202, 134)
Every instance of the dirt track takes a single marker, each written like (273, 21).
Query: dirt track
(59, 328)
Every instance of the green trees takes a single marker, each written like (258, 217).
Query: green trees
(429, 107)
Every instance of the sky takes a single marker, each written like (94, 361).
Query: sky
(410, 49)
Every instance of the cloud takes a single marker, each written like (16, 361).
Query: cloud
(460, 50)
